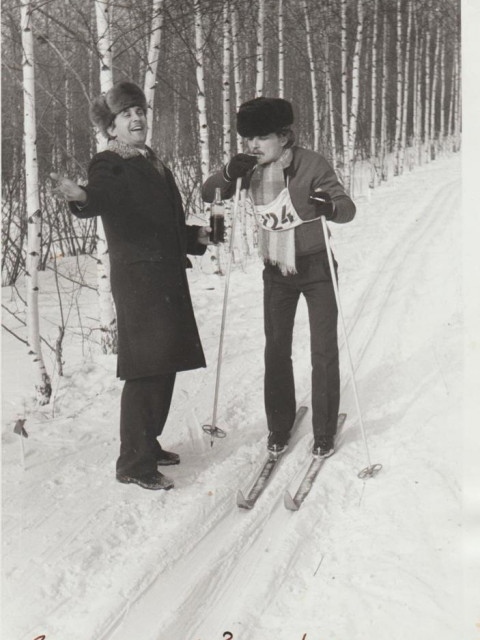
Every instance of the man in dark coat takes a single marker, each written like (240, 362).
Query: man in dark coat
(142, 213)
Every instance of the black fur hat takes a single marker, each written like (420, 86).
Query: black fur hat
(121, 96)
(262, 116)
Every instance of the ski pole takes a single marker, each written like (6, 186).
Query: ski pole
(212, 429)
(371, 470)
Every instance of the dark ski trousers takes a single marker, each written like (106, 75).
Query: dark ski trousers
(281, 295)
(144, 410)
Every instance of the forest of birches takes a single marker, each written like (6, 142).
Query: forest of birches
(385, 35)
(375, 86)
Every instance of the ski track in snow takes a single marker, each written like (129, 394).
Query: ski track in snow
(380, 559)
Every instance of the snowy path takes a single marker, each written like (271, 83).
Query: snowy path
(377, 559)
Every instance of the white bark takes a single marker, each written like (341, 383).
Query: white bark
(313, 80)
(201, 99)
(383, 102)
(260, 67)
(281, 52)
(433, 101)
(426, 102)
(237, 81)
(352, 128)
(152, 64)
(42, 381)
(226, 82)
(406, 86)
(373, 96)
(344, 96)
(442, 86)
(398, 110)
(458, 96)
(331, 111)
(108, 322)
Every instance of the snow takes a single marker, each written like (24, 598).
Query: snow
(86, 558)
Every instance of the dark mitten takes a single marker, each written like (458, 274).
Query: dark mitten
(324, 203)
(239, 166)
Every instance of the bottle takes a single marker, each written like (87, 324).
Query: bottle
(217, 219)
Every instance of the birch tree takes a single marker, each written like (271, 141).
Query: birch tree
(201, 100)
(259, 58)
(398, 102)
(331, 111)
(313, 80)
(352, 127)
(433, 99)
(281, 51)
(373, 93)
(152, 64)
(226, 81)
(108, 322)
(426, 101)
(344, 92)
(406, 87)
(42, 380)
(237, 81)
(383, 103)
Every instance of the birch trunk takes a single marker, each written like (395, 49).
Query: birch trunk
(373, 95)
(226, 82)
(236, 69)
(152, 64)
(426, 103)
(433, 99)
(404, 122)
(442, 87)
(398, 111)
(416, 90)
(313, 80)
(383, 120)
(43, 386)
(458, 97)
(344, 96)
(352, 128)
(201, 99)
(260, 67)
(108, 322)
(281, 52)
(331, 111)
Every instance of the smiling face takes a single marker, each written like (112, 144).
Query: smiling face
(130, 127)
(267, 148)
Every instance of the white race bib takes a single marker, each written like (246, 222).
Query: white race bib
(278, 215)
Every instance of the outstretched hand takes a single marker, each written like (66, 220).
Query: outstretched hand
(67, 189)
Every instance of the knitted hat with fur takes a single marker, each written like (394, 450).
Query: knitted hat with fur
(262, 116)
(121, 96)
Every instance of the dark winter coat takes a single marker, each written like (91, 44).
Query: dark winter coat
(148, 240)
(308, 170)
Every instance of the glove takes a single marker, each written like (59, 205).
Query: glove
(239, 166)
(323, 203)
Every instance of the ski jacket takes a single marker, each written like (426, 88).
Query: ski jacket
(148, 239)
(308, 171)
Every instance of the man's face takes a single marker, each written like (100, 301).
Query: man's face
(130, 127)
(267, 148)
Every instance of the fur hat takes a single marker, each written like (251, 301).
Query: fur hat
(262, 116)
(121, 96)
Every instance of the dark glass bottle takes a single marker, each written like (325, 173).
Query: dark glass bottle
(217, 219)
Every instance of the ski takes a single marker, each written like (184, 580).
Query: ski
(294, 504)
(266, 471)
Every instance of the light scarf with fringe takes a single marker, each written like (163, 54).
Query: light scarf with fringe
(276, 247)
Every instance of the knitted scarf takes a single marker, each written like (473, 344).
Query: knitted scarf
(277, 247)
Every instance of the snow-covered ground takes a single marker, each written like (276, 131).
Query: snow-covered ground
(86, 558)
